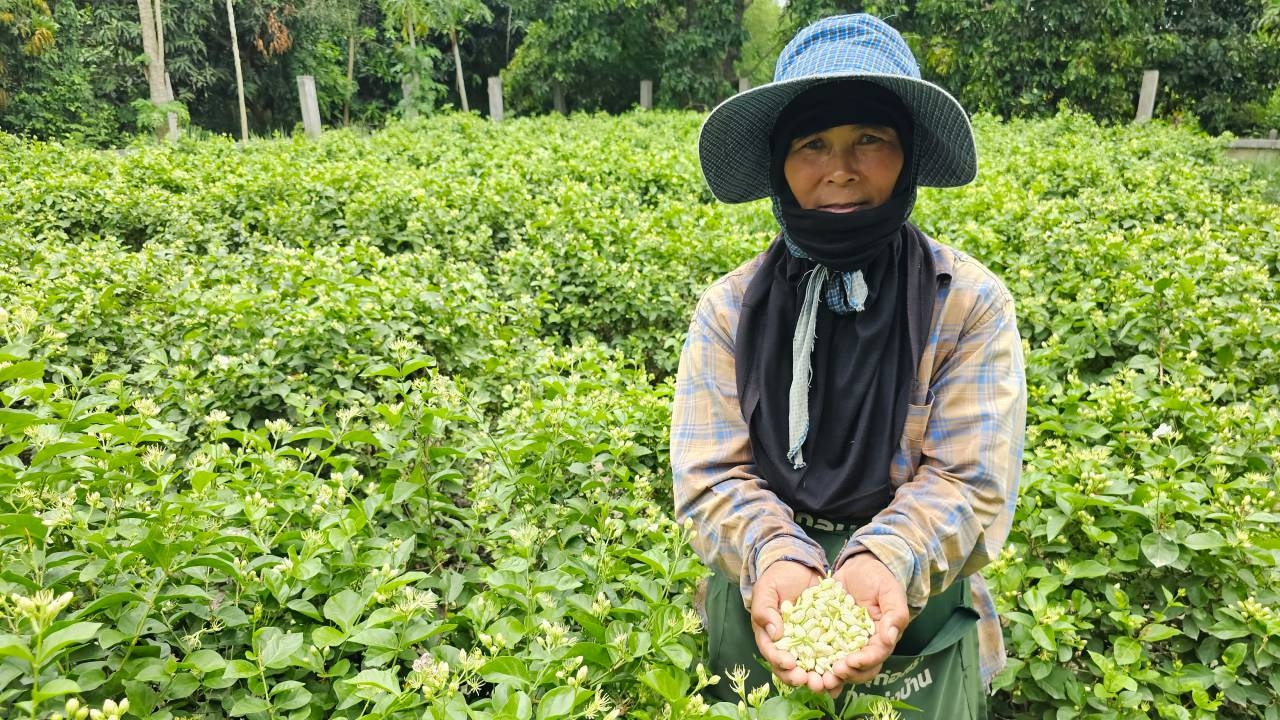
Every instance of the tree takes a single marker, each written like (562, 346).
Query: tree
(1270, 20)
(151, 18)
(1217, 63)
(450, 16)
(409, 16)
(345, 14)
(761, 24)
(700, 53)
(598, 52)
(32, 23)
(235, 52)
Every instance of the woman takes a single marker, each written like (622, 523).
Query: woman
(852, 400)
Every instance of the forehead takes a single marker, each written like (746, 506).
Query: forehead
(851, 128)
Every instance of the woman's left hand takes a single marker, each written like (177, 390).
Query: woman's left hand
(877, 589)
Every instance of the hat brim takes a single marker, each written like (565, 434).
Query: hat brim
(733, 145)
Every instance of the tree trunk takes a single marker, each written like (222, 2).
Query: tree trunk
(235, 51)
(159, 18)
(734, 52)
(155, 59)
(457, 63)
(410, 88)
(351, 75)
(557, 98)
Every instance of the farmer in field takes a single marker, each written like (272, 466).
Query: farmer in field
(852, 400)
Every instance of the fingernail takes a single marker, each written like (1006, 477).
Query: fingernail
(893, 633)
(773, 631)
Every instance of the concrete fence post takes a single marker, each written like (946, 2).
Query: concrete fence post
(744, 84)
(172, 118)
(1147, 98)
(310, 105)
(495, 99)
(646, 94)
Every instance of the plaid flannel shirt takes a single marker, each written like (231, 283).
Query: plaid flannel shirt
(955, 475)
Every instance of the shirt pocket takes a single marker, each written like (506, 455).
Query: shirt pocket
(913, 432)
(917, 422)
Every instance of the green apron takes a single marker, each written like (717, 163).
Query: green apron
(934, 666)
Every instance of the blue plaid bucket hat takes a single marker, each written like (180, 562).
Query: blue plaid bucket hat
(733, 146)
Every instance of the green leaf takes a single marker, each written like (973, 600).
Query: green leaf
(304, 607)
(1156, 632)
(237, 669)
(670, 685)
(1234, 655)
(678, 654)
(517, 707)
(292, 698)
(1208, 540)
(380, 679)
(22, 525)
(106, 601)
(8, 673)
(213, 562)
(205, 661)
(12, 421)
(1159, 551)
(308, 433)
(1054, 521)
(14, 646)
(25, 370)
(783, 708)
(248, 704)
(506, 670)
(377, 637)
(183, 592)
(275, 649)
(344, 609)
(73, 634)
(326, 636)
(54, 688)
(1041, 636)
(1087, 569)
(558, 703)
(1127, 651)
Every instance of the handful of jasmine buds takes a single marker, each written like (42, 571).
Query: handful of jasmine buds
(823, 626)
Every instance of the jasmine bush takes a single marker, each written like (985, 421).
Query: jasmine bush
(375, 427)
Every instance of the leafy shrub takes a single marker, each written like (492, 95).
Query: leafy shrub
(377, 426)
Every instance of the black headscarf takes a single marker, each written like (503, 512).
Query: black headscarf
(863, 363)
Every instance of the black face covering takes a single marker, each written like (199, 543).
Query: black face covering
(841, 241)
(863, 363)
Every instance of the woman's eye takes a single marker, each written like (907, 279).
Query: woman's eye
(870, 139)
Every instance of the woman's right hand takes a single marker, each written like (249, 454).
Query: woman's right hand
(781, 581)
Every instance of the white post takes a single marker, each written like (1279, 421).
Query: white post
(646, 94)
(495, 98)
(744, 84)
(1147, 98)
(310, 105)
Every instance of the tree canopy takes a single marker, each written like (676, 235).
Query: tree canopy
(75, 69)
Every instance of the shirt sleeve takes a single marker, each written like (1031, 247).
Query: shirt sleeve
(740, 525)
(955, 513)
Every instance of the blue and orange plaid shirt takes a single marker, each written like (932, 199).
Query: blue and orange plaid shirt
(955, 475)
